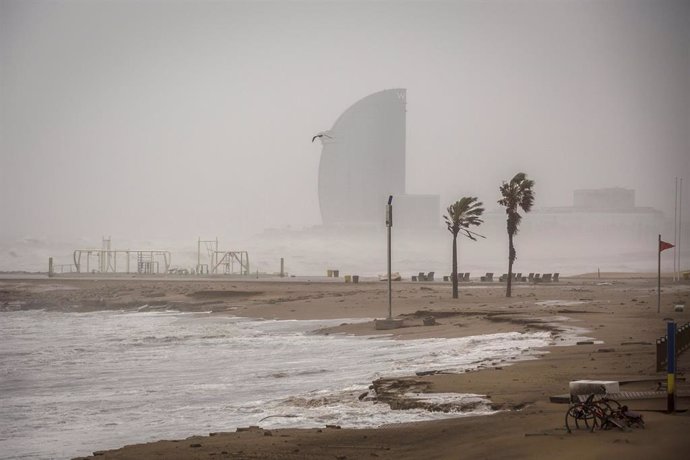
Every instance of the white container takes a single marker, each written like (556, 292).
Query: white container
(599, 387)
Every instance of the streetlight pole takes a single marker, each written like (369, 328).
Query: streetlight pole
(389, 224)
(389, 322)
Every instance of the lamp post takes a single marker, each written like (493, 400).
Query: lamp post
(389, 224)
(389, 322)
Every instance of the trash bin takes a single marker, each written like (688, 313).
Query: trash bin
(355, 278)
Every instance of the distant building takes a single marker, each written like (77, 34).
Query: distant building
(604, 199)
(601, 213)
(363, 162)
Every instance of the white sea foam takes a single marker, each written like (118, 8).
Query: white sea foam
(74, 383)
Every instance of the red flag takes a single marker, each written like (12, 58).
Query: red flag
(663, 245)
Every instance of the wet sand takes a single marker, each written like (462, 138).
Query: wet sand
(618, 310)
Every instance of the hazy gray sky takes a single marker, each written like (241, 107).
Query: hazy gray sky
(185, 118)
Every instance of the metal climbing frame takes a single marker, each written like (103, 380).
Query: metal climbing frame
(229, 259)
(105, 260)
(220, 262)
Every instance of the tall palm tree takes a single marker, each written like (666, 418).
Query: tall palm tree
(461, 216)
(516, 194)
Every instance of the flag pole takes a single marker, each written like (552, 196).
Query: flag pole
(675, 231)
(680, 219)
(658, 276)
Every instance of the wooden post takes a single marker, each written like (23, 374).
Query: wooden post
(282, 266)
(50, 267)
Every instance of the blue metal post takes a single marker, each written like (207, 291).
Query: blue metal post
(671, 367)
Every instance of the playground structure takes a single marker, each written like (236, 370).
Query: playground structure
(106, 259)
(222, 262)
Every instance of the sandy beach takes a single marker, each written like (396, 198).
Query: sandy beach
(618, 311)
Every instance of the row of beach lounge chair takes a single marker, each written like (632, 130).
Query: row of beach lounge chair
(422, 277)
(489, 277)
(532, 277)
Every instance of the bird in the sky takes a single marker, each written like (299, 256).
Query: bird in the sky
(320, 135)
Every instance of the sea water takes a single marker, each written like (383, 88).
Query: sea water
(72, 383)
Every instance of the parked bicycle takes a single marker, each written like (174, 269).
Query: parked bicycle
(602, 414)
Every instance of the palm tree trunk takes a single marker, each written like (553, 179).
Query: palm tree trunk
(511, 258)
(454, 275)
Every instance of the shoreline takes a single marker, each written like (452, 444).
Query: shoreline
(622, 315)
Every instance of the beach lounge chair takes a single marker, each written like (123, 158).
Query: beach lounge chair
(414, 277)
(487, 277)
(466, 278)
(555, 277)
(430, 276)
(447, 278)
(395, 276)
(518, 277)
(537, 278)
(421, 276)
(546, 278)
(503, 278)
(530, 277)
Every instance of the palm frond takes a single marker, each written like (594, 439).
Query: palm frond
(464, 213)
(515, 194)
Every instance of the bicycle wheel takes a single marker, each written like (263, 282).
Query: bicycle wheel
(579, 416)
(613, 404)
(605, 407)
(595, 418)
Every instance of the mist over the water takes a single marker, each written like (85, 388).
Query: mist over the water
(160, 122)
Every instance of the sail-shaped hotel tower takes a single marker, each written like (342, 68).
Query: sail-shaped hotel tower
(363, 162)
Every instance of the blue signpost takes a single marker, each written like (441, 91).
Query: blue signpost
(671, 367)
